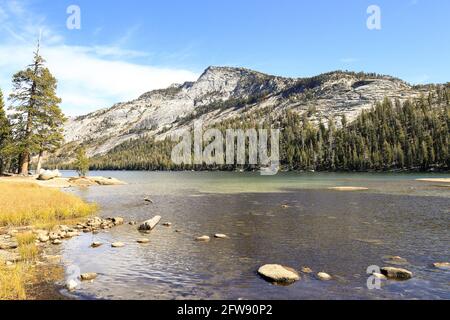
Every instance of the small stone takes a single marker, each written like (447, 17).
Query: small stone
(117, 244)
(220, 236)
(307, 270)
(150, 224)
(148, 200)
(442, 265)
(53, 236)
(143, 240)
(88, 276)
(395, 260)
(167, 224)
(71, 285)
(9, 263)
(396, 273)
(132, 223)
(203, 238)
(56, 241)
(96, 244)
(117, 221)
(323, 276)
(43, 238)
(284, 206)
(278, 273)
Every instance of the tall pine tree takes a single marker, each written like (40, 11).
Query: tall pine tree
(5, 132)
(37, 118)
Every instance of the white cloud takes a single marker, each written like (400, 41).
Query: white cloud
(89, 77)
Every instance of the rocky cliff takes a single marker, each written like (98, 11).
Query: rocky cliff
(224, 92)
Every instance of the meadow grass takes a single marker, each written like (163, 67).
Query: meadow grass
(24, 204)
(28, 204)
(13, 281)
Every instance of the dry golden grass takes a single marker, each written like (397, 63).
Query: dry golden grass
(23, 204)
(26, 238)
(12, 281)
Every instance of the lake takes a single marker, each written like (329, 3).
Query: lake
(290, 219)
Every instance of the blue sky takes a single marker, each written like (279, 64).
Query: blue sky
(125, 48)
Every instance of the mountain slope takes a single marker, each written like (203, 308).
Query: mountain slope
(221, 93)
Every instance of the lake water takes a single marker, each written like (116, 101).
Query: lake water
(341, 233)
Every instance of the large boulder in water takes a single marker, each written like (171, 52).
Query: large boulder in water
(150, 224)
(278, 274)
(396, 273)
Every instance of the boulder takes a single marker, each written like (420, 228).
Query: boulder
(396, 273)
(88, 276)
(379, 276)
(323, 276)
(278, 273)
(46, 175)
(150, 224)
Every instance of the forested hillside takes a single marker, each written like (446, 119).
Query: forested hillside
(413, 135)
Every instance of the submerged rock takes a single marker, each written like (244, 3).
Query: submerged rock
(323, 276)
(396, 260)
(307, 270)
(220, 236)
(88, 276)
(396, 273)
(203, 238)
(150, 224)
(117, 244)
(442, 265)
(96, 244)
(278, 274)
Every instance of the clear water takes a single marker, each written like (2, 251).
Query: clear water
(341, 233)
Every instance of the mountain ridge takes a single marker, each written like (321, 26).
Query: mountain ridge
(224, 92)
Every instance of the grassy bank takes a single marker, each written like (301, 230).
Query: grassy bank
(23, 204)
(28, 204)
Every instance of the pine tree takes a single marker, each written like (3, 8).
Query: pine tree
(37, 118)
(5, 132)
(82, 162)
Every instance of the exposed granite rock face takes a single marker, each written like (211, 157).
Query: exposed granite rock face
(160, 113)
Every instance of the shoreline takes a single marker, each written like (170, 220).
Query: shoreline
(43, 277)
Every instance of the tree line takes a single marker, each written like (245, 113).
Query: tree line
(413, 135)
(35, 122)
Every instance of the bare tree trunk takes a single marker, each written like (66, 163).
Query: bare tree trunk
(39, 162)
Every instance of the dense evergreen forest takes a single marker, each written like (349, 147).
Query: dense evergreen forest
(413, 135)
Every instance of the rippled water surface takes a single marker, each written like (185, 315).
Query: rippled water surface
(341, 233)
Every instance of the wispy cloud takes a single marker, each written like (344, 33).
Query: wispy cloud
(89, 77)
